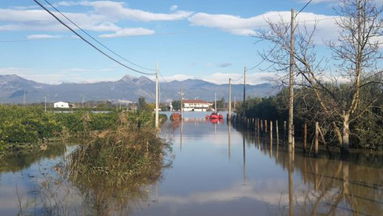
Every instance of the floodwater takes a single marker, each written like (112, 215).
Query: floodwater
(215, 170)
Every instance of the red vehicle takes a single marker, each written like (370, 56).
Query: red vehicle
(175, 117)
(214, 115)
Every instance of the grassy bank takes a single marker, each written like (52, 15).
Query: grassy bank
(29, 128)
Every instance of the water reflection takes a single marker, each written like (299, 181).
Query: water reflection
(228, 141)
(217, 170)
(330, 186)
(14, 162)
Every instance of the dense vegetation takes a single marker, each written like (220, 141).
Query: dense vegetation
(118, 156)
(116, 165)
(32, 125)
(366, 130)
(26, 127)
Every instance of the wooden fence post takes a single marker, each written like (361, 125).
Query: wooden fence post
(277, 131)
(316, 145)
(271, 134)
(261, 126)
(305, 137)
(284, 130)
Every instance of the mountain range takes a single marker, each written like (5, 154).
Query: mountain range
(15, 89)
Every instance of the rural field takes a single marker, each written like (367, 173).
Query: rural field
(191, 107)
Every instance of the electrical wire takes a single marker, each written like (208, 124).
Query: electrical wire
(89, 43)
(304, 7)
(163, 78)
(97, 41)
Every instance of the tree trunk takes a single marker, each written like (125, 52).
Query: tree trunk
(346, 133)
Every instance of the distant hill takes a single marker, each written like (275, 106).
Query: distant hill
(128, 88)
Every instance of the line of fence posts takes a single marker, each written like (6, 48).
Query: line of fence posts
(262, 127)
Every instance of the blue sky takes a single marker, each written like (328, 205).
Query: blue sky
(206, 39)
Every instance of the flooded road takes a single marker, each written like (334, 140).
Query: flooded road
(215, 170)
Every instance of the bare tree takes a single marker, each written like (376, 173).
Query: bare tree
(356, 51)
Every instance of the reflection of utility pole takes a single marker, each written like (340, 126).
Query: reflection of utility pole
(215, 129)
(291, 182)
(244, 159)
(229, 116)
(181, 102)
(229, 141)
(181, 134)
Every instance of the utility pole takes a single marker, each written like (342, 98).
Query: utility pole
(45, 104)
(181, 102)
(215, 102)
(244, 84)
(290, 138)
(157, 98)
(229, 116)
(244, 91)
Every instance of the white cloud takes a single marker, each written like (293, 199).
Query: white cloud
(117, 10)
(178, 77)
(128, 32)
(326, 26)
(223, 78)
(104, 17)
(271, 191)
(76, 75)
(43, 36)
(173, 7)
(39, 20)
(228, 23)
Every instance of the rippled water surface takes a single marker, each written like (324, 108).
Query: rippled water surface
(215, 170)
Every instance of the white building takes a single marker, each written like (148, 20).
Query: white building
(196, 105)
(61, 104)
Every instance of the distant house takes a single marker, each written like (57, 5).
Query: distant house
(196, 105)
(61, 104)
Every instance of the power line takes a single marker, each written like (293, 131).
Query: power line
(257, 65)
(163, 78)
(97, 41)
(304, 7)
(88, 42)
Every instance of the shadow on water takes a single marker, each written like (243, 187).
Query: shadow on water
(332, 185)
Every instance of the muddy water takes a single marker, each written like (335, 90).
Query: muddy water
(215, 170)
